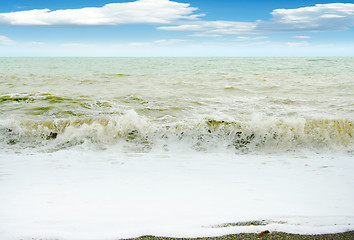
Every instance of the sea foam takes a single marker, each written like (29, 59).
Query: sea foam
(204, 134)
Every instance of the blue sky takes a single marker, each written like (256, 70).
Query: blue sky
(176, 28)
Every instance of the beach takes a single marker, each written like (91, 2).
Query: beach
(119, 148)
(275, 235)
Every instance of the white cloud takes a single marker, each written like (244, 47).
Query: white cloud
(141, 11)
(298, 44)
(6, 41)
(160, 42)
(213, 28)
(243, 38)
(331, 16)
(301, 37)
(321, 17)
(205, 35)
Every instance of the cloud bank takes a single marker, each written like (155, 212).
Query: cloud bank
(214, 28)
(138, 12)
(321, 17)
(161, 42)
(175, 16)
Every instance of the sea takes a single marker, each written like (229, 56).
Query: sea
(111, 148)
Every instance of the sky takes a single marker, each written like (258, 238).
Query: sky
(179, 28)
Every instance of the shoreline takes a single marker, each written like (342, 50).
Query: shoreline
(271, 235)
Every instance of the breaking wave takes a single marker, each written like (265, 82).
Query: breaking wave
(139, 134)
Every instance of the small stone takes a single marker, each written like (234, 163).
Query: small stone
(261, 234)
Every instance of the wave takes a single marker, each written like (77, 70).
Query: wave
(46, 104)
(137, 133)
(27, 97)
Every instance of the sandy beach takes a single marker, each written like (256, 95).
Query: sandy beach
(273, 235)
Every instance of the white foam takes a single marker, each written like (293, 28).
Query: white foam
(268, 134)
(110, 195)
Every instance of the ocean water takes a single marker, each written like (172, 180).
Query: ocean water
(207, 104)
(107, 148)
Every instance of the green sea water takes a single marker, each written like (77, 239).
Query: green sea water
(208, 104)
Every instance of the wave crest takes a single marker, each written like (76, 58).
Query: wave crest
(205, 134)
